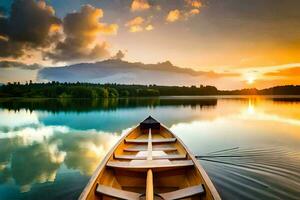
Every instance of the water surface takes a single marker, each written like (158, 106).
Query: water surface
(250, 145)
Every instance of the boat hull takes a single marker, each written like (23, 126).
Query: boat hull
(150, 162)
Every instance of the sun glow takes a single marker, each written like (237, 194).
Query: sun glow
(250, 77)
(250, 80)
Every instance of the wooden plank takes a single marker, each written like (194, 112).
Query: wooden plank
(137, 149)
(130, 157)
(170, 157)
(133, 157)
(149, 181)
(149, 164)
(183, 193)
(164, 149)
(116, 193)
(149, 186)
(141, 141)
(149, 157)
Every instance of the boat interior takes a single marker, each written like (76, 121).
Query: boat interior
(150, 163)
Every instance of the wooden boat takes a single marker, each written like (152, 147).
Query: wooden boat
(150, 162)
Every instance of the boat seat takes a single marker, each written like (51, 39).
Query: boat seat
(165, 140)
(133, 157)
(117, 193)
(183, 193)
(154, 149)
(130, 157)
(149, 164)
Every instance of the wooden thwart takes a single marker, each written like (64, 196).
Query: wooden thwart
(149, 164)
(116, 193)
(178, 194)
(137, 149)
(183, 193)
(134, 157)
(141, 141)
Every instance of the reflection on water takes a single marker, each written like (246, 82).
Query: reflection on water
(77, 105)
(55, 145)
(35, 154)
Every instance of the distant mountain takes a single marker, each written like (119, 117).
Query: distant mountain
(118, 71)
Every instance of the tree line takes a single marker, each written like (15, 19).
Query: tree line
(92, 90)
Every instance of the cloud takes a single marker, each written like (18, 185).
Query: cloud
(119, 55)
(194, 11)
(34, 154)
(135, 25)
(139, 24)
(39, 168)
(194, 3)
(140, 5)
(82, 31)
(27, 27)
(149, 27)
(173, 15)
(84, 150)
(289, 72)
(14, 64)
(135, 21)
(192, 8)
(118, 71)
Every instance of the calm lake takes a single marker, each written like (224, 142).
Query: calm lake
(50, 148)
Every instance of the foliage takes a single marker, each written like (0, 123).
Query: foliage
(92, 91)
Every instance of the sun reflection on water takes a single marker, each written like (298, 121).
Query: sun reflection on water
(251, 108)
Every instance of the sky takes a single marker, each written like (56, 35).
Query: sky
(257, 41)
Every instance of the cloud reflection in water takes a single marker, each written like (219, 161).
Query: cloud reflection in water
(35, 154)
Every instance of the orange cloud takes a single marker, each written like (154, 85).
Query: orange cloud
(194, 11)
(82, 30)
(42, 5)
(54, 28)
(138, 24)
(173, 15)
(149, 27)
(194, 3)
(135, 25)
(140, 5)
(135, 21)
(289, 72)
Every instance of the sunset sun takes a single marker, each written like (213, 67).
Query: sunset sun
(250, 80)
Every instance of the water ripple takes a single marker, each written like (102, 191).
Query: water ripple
(255, 173)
